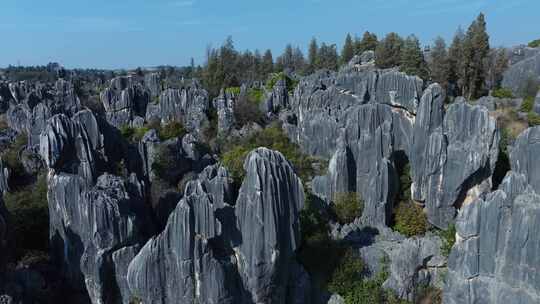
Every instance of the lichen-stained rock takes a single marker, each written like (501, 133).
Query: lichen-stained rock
(267, 211)
(524, 156)
(183, 264)
(495, 257)
(65, 146)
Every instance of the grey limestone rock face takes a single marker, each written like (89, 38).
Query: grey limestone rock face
(66, 146)
(153, 82)
(213, 251)
(518, 74)
(267, 212)
(367, 120)
(277, 98)
(493, 260)
(123, 100)
(224, 105)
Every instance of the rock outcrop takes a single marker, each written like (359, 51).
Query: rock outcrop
(520, 72)
(370, 122)
(214, 252)
(124, 100)
(494, 260)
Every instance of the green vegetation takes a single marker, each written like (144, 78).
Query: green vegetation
(502, 93)
(29, 217)
(409, 219)
(272, 137)
(256, 95)
(347, 206)
(235, 91)
(534, 43)
(449, 238)
(318, 253)
(163, 163)
(275, 77)
(533, 119)
(171, 130)
(11, 158)
(347, 273)
(527, 105)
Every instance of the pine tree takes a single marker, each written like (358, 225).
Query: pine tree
(328, 57)
(312, 55)
(347, 52)
(369, 42)
(475, 52)
(388, 51)
(412, 58)
(456, 65)
(497, 64)
(438, 63)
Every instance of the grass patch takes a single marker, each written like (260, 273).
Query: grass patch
(502, 93)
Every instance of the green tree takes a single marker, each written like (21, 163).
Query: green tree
(456, 63)
(328, 57)
(534, 43)
(438, 64)
(313, 53)
(347, 207)
(369, 42)
(267, 65)
(388, 51)
(412, 58)
(475, 52)
(347, 52)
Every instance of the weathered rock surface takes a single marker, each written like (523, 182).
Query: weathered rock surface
(212, 252)
(123, 100)
(224, 105)
(368, 122)
(517, 74)
(494, 260)
(4, 178)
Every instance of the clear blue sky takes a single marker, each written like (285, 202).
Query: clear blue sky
(131, 33)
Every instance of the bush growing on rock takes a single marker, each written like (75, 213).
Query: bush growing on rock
(172, 130)
(502, 93)
(527, 105)
(11, 158)
(348, 272)
(533, 119)
(273, 138)
(410, 219)
(29, 214)
(347, 206)
(449, 238)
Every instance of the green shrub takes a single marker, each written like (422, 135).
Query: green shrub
(163, 163)
(533, 119)
(347, 206)
(274, 138)
(235, 91)
(527, 105)
(502, 93)
(534, 43)
(275, 77)
(132, 134)
(448, 239)
(171, 130)
(29, 216)
(347, 274)
(256, 95)
(409, 219)
(127, 132)
(11, 158)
